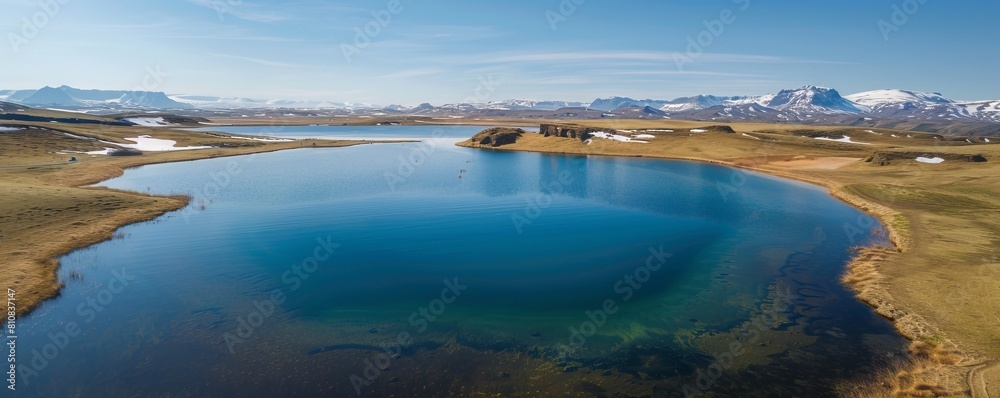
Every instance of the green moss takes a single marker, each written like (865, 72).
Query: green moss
(933, 339)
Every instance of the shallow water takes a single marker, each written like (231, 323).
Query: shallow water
(518, 274)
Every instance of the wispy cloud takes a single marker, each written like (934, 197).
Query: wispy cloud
(456, 32)
(269, 39)
(670, 72)
(413, 73)
(559, 80)
(648, 56)
(583, 56)
(759, 59)
(259, 61)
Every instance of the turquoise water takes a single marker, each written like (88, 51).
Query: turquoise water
(289, 270)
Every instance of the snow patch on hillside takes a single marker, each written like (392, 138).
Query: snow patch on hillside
(614, 137)
(149, 121)
(148, 144)
(844, 139)
(264, 139)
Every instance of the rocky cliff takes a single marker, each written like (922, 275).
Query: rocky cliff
(497, 136)
(567, 131)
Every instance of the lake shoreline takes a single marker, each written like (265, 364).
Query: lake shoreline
(722, 273)
(862, 274)
(880, 212)
(883, 214)
(74, 179)
(869, 288)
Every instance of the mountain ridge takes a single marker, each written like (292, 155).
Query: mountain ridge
(810, 101)
(805, 104)
(66, 96)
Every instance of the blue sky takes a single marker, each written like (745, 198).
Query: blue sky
(450, 50)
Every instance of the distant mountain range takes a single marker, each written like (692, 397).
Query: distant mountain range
(227, 103)
(521, 105)
(809, 104)
(65, 97)
(69, 97)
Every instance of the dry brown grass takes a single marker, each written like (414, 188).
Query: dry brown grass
(46, 212)
(930, 371)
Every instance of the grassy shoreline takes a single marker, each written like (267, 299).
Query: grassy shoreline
(52, 200)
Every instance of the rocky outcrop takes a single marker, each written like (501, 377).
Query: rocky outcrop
(497, 136)
(718, 129)
(124, 152)
(885, 158)
(586, 133)
(567, 131)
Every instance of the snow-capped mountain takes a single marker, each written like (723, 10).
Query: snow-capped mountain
(808, 104)
(876, 98)
(891, 104)
(707, 101)
(406, 109)
(983, 110)
(522, 104)
(69, 97)
(222, 103)
(147, 99)
(209, 102)
(805, 100)
(463, 107)
(692, 103)
(813, 102)
(738, 112)
(642, 112)
(395, 108)
(514, 105)
(609, 104)
(813, 99)
(73, 98)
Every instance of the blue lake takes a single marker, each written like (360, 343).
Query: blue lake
(425, 269)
